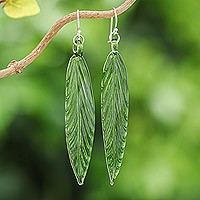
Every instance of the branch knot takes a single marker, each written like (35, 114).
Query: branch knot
(14, 65)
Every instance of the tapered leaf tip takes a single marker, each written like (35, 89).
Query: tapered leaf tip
(80, 180)
(112, 182)
(112, 179)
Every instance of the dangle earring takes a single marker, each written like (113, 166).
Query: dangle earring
(114, 105)
(79, 110)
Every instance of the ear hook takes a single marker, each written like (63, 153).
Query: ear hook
(78, 36)
(115, 30)
(78, 21)
(116, 19)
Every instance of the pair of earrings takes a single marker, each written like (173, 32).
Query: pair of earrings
(80, 107)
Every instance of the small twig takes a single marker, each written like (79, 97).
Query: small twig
(15, 67)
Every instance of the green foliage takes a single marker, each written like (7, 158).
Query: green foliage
(160, 45)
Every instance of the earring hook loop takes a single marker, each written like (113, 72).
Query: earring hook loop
(78, 36)
(114, 31)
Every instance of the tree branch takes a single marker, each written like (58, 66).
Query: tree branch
(15, 67)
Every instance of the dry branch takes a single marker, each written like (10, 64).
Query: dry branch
(15, 67)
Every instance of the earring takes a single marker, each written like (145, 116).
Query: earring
(114, 105)
(79, 110)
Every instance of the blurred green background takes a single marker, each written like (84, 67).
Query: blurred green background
(160, 43)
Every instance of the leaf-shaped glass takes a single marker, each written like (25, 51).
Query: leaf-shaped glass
(114, 111)
(79, 115)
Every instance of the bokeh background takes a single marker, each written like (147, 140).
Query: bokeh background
(160, 43)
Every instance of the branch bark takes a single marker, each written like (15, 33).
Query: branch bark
(16, 67)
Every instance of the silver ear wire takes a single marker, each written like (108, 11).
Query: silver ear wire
(114, 32)
(116, 18)
(78, 36)
(78, 23)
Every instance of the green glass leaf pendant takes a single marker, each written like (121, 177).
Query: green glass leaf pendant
(79, 115)
(114, 111)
